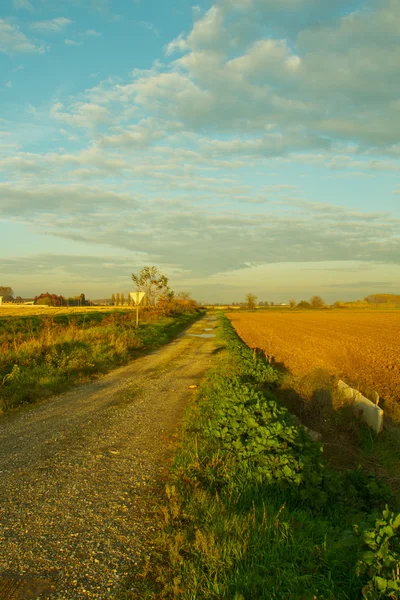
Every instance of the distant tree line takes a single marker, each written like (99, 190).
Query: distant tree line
(47, 299)
(121, 299)
(383, 299)
(315, 302)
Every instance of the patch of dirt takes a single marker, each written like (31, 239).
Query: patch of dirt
(80, 472)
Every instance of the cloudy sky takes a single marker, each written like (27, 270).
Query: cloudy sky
(240, 146)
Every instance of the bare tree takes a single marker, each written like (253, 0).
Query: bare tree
(251, 301)
(292, 303)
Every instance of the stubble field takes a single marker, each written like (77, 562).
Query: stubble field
(361, 347)
(28, 310)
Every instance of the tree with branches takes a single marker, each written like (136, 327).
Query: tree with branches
(317, 302)
(251, 301)
(7, 293)
(152, 282)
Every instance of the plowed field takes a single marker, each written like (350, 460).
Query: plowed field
(358, 346)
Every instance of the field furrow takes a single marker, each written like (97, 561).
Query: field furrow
(362, 347)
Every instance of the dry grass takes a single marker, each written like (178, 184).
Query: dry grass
(22, 310)
(49, 351)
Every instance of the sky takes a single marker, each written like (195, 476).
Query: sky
(240, 146)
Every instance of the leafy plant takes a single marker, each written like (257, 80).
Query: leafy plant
(379, 557)
(252, 509)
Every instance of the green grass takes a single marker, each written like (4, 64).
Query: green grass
(348, 441)
(252, 511)
(42, 356)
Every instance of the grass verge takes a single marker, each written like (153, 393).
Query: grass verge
(348, 442)
(42, 356)
(252, 510)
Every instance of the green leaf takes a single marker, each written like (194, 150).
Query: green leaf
(368, 557)
(396, 522)
(388, 531)
(380, 583)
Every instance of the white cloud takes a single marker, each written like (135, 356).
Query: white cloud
(208, 33)
(92, 33)
(142, 135)
(174, 232)
(255, 85)
(81, 114)
(177, 45)
(22, 5)
(78, 199)
(14, 41)
(72, 43)
(333, 75)
(52, 26)
(266, 59)
(8, 84)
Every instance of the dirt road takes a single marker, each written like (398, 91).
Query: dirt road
(79, 472)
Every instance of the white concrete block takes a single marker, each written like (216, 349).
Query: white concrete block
(369, 412)
(346, 391)
(374, 397)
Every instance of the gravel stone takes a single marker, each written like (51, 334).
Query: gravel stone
(79, 474)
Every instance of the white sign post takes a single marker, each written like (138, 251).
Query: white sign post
(137, 297)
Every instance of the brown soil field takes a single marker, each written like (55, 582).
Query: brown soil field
(361, 347)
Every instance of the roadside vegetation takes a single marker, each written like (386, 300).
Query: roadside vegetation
(42, 355)
(46, 353)
(253, 510)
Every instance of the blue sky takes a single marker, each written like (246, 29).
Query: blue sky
(241, 145)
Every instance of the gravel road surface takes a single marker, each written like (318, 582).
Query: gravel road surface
(80, 472)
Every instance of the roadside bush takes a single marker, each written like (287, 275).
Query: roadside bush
(378, 545)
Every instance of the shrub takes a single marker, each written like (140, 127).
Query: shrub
(379, 556)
